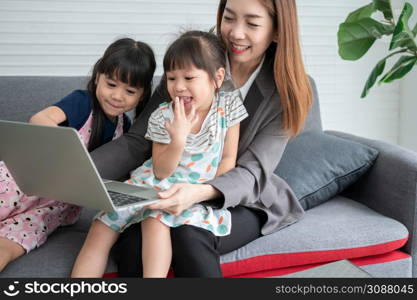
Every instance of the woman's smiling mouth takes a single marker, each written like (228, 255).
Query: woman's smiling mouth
(238, 49)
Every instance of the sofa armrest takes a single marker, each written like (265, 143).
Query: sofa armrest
(390, 186)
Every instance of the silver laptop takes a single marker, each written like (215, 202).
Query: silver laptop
(52, 162)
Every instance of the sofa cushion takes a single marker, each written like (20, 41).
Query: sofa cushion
(318, 166)
(56, 257)
(322, 235)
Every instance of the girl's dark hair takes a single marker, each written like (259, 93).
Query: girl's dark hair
(201, 49)
(132, 62)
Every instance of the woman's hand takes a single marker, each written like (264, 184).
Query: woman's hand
(183, 195)
(180, 127)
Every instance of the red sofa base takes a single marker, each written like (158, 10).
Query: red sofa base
(362, 261)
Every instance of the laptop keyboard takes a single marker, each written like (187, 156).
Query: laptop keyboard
(120, 199)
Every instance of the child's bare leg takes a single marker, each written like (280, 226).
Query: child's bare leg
(92, 259)
(9, 251)
(156, 248)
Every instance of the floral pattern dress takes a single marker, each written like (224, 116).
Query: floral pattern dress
(198, 163)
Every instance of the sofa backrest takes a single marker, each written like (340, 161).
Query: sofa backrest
(22, 96)
(313, 121)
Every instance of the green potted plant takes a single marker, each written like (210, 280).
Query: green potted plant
(360, 30)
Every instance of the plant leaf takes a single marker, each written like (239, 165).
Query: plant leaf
(401, 67)
(361, 13)
(355, 39)
(378, 69)
(403, 36)
(415, 30)
(384, 6)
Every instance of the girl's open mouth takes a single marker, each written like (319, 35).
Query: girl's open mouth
(186, 100)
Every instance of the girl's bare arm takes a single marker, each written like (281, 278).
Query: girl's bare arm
(166, 157)
(229, 155)
(51, 116)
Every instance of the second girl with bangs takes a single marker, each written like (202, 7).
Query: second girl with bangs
(195, 137)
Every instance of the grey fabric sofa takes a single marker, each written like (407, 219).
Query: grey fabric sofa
(372, 223)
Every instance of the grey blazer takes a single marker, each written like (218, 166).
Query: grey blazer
(262, 142)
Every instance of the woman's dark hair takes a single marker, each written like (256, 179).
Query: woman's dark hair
(129, 61)
(201, 49)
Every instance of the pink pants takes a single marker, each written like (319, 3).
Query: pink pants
(28, 220)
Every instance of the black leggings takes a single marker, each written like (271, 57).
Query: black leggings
(196, 251)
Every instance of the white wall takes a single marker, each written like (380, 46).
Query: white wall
(341, 82)
(408, 102)
(408, 119)
(66, 37)
(59, 37)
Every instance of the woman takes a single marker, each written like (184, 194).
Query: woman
(265, 61)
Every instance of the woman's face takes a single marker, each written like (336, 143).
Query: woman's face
(247, 30)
